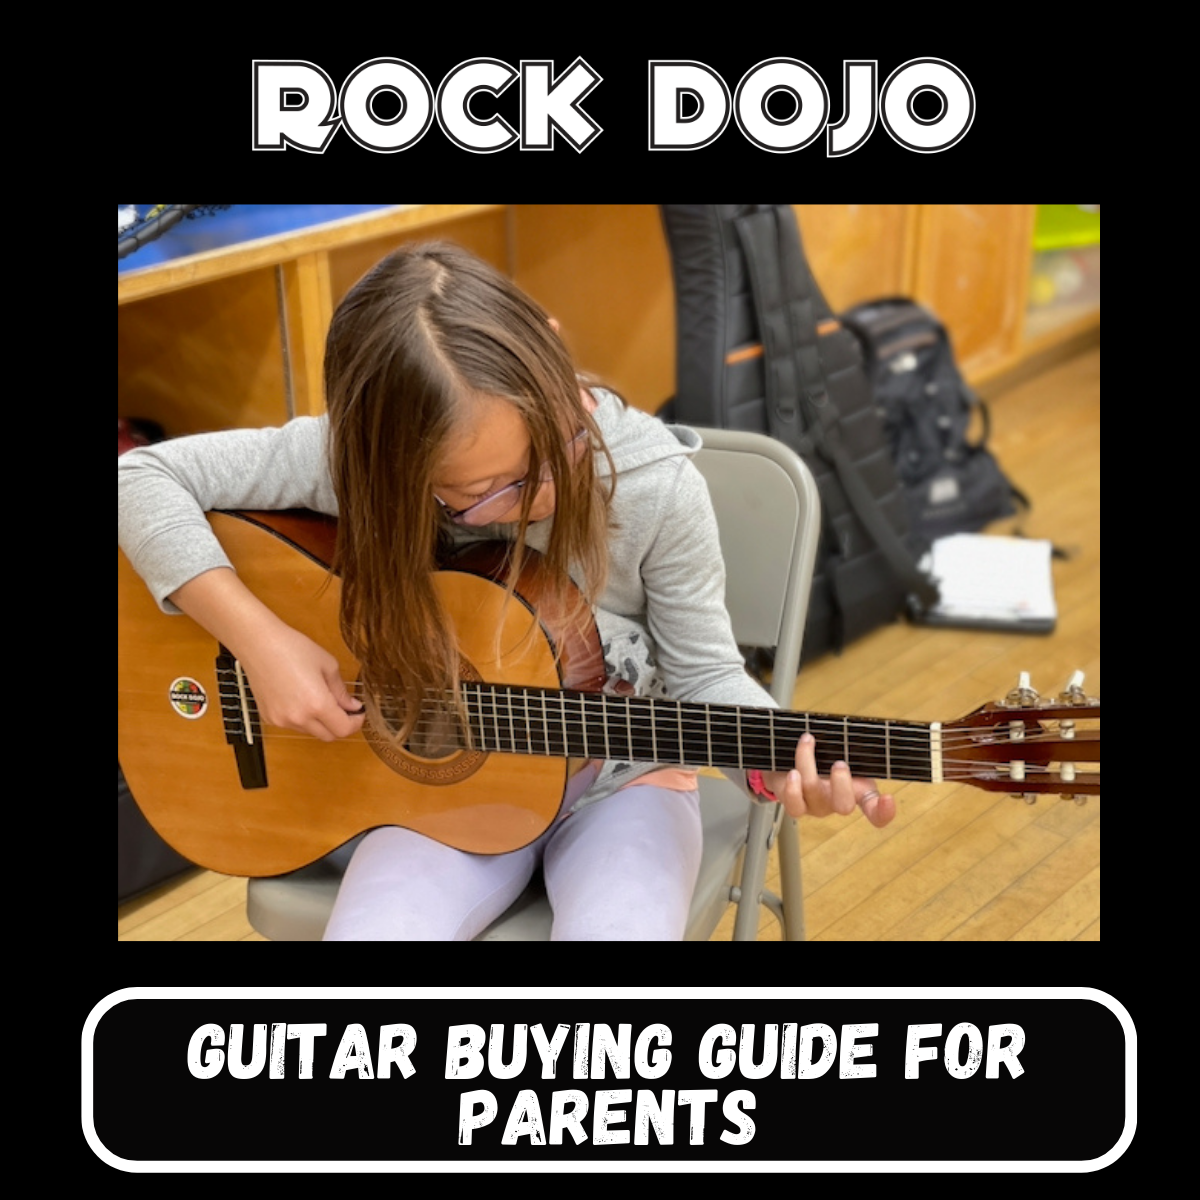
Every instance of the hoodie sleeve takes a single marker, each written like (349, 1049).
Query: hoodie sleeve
(163, 492)
(684, 577)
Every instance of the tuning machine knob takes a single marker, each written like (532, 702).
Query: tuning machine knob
(1023, 695)
(1073, 692)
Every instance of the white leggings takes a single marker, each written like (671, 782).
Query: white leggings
(621, 869)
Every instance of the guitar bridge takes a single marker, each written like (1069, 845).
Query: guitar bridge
(239, 713)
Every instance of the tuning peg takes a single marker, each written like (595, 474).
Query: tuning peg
(1023, 695)
(1079, 800)
(1073, 692)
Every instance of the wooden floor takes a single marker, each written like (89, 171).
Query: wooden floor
(957, 863)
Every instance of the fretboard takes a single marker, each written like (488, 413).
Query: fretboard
(572, 724)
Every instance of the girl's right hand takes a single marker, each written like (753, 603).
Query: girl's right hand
(297, 685)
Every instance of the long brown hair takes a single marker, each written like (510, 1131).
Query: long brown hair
(424, 331)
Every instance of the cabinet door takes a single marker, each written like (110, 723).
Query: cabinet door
(204, 357)
(859, 251)
(972, 269)
(604, 272)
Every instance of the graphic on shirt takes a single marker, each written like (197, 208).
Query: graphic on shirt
(188, 698)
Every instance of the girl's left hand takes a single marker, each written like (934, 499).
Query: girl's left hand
(803, 792)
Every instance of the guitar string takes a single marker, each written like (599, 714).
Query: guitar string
(576, 712)
(507, 700)
(952, 768)
(498, 730)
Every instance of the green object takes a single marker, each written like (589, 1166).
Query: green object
(1059, 226)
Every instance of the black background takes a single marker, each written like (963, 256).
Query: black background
(1039, 116)
(1069, 1106)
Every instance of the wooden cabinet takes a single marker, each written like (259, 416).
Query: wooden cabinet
(235, 336)
(972, 269)
(603, 272)
(859, 251)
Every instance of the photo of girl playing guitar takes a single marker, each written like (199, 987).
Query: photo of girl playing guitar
(456, 418)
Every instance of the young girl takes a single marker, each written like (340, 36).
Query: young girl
(455, 414)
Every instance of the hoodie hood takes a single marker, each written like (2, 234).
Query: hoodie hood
(635, 438)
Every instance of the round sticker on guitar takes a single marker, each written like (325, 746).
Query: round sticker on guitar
(188, 698)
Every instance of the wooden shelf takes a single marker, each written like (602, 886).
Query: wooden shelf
(281, 248)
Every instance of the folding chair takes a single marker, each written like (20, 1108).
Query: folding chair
(768, 515)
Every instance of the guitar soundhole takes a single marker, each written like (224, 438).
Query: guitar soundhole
(436, 750)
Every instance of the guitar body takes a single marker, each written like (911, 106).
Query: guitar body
(278, 800)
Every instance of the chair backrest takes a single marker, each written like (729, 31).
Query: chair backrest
(768, 516)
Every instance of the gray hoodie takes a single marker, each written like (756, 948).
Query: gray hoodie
(661, 619)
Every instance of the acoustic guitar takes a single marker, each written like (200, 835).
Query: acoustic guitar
(242, 798)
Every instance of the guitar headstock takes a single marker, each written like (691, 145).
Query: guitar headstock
(1027, 745)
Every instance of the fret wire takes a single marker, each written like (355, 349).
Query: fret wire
(731, 735)
(642, 707)
(917, 730)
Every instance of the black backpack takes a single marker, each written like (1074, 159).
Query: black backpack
(758, 348)
(951, 484)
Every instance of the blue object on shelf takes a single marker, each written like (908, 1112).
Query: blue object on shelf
(233, 225)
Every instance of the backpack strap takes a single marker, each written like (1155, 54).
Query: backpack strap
(800, 413)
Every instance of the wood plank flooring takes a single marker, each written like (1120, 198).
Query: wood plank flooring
(958, 863)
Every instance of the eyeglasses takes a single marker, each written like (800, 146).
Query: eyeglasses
(492, 508)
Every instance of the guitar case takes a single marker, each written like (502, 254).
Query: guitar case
(758, 348)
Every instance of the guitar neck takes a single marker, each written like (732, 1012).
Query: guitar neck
(573, 724)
